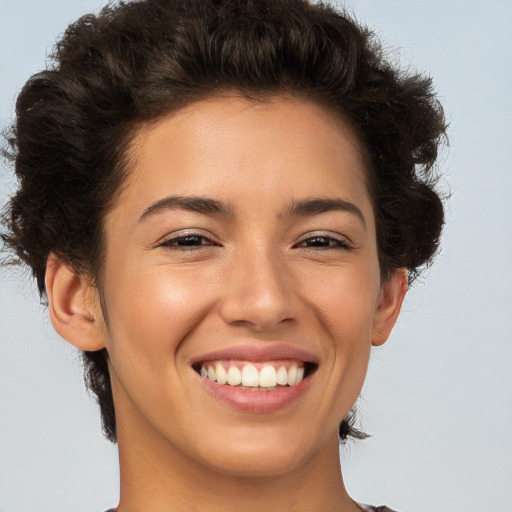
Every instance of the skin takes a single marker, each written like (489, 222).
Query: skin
(256, 275)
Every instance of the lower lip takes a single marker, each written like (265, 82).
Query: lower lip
(256, 401)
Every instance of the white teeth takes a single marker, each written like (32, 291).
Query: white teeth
(292, 375)
(222, 376)
(234, 376)
(268, 376)
(300, 375)
(282, 376)
(250, 376)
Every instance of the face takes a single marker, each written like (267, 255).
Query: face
(241, 284)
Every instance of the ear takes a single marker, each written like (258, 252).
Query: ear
(388, 307)
(73, 305)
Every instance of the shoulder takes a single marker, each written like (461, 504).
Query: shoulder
(369, 508)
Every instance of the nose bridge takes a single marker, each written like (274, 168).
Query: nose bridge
(259, 288)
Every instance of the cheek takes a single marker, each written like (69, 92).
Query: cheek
(150, 311)
(343, 302)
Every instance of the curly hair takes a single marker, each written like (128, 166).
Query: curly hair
(135, 61)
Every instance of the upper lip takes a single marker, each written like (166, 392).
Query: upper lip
(258, 353)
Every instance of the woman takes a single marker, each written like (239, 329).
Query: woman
(224, 203)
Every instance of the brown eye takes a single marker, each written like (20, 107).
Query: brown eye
(187, 241)
(324, 242)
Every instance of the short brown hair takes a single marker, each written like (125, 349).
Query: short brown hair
(135, 61)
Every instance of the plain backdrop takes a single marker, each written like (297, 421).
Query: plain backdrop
(437, 400)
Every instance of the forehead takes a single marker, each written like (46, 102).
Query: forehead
(231, 116)
(282, 147)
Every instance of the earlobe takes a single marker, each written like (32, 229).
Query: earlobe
(388, 308)
(72, 305)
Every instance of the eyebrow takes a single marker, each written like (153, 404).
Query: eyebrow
(203, 205)
(208, 206)
(323, 205)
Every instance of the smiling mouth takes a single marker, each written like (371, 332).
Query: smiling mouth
(251, 376)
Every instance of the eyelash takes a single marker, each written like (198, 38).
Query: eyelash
(334, 243)
(180, 243)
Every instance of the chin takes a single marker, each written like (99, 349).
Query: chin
(271, 451)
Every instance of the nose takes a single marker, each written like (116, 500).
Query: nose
(259, 292)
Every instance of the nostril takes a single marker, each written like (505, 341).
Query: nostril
(259, 304)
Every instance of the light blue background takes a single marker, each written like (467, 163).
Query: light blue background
(438, 395)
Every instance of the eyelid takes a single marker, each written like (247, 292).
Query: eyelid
(184, 233)
(344, 241)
